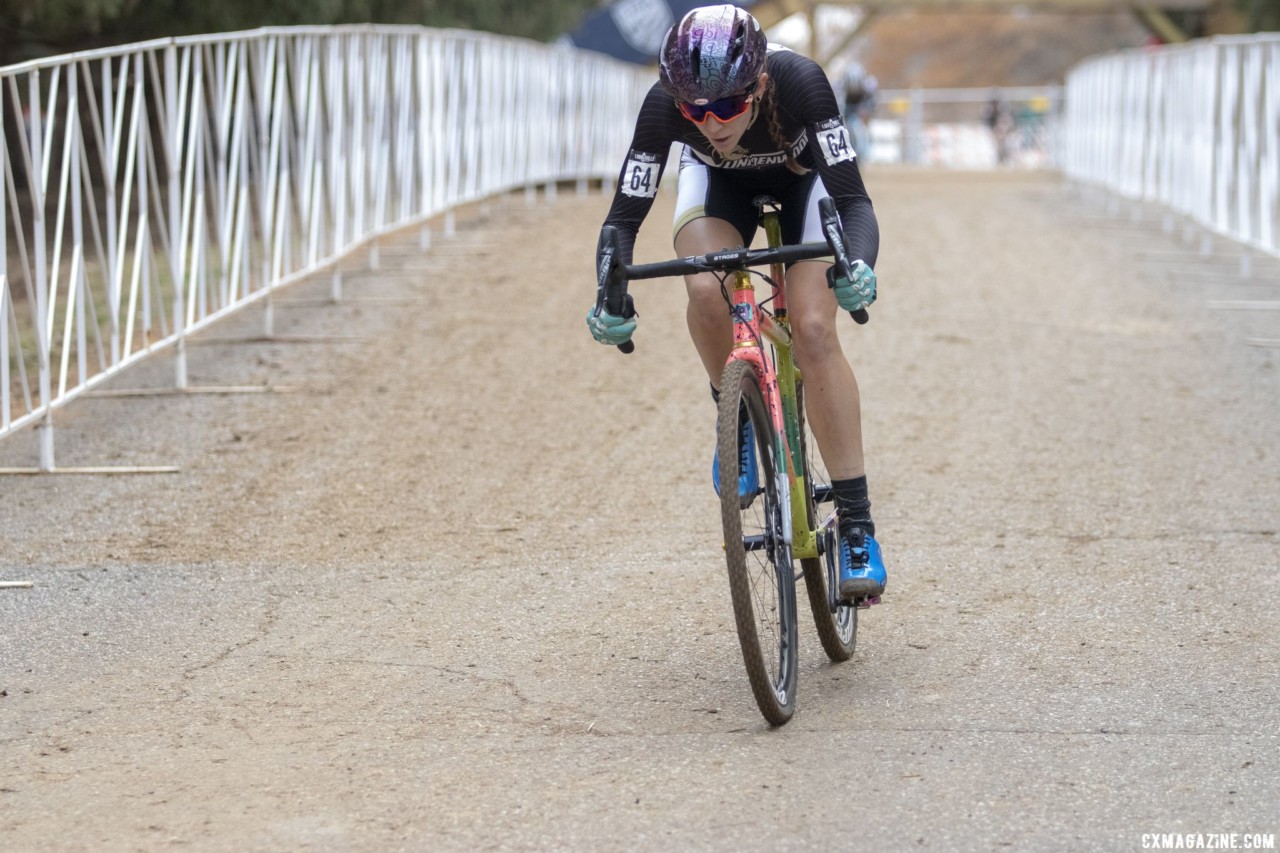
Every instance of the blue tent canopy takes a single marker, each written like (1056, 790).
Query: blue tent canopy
(632, 30)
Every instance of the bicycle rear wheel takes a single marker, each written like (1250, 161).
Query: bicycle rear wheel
(837, 623)
(762, 579)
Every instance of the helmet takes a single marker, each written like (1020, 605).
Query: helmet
(712, 53)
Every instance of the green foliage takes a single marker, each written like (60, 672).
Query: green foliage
(31, 28)
(1260, 15)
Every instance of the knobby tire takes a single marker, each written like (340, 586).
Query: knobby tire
(761, 581)
(837, 623)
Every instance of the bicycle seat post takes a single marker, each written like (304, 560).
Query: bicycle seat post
(768, 209)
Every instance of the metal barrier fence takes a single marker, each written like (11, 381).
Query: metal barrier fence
(968, 128)
(151, 189)
(1195, 127)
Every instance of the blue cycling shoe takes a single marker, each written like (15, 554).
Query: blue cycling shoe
(862, 572)
(748, 472)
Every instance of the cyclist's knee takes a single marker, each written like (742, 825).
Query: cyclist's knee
(705, 298)
(814, 333)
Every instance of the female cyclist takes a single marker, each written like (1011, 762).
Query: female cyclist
(758, 119)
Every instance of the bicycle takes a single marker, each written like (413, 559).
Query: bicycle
(765, 532)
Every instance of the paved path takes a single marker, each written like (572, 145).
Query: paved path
(461, 589)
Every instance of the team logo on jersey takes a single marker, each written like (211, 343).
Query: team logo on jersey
(833, 139)
(734, 156)
(640, 175)
(741, 158)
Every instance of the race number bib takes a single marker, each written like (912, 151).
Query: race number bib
(833, 139)
(640, 175)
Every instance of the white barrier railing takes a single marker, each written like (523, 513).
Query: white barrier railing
(1195, 127)
(150, 189)
(965, 128)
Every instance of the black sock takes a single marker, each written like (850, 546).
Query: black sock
(852, 504)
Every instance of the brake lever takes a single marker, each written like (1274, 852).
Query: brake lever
(611, 287)
(834, 233)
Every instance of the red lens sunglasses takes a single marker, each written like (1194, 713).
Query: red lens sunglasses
(725, 109)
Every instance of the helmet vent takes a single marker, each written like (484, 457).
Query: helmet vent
(736, 48)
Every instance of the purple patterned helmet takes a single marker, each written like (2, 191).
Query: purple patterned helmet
(712, 53)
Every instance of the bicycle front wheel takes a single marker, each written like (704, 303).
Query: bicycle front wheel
(762, 579)
(837, 622)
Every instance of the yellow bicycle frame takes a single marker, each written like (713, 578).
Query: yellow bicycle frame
(804, 541)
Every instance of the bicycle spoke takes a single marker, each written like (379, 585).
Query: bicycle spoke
(761, 579)
(836, 623)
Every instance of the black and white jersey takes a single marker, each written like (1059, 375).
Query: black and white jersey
(810, 123)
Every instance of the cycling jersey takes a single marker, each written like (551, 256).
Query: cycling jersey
(811, 125)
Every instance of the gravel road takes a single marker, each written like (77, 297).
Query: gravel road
(455, 583)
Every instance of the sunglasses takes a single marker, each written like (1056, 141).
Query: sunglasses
(725, 109)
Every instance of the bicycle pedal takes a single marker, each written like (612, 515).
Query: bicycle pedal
(868, 602)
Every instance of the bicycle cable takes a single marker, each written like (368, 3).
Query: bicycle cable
(761, 305)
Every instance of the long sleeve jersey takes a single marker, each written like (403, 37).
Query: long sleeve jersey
(811, 125)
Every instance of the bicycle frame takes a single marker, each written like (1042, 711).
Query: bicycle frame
(779, 376)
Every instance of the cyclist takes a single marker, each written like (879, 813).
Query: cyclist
(859, 89)
(760, 119)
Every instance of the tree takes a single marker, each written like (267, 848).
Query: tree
(32, 28)
(1260, 15)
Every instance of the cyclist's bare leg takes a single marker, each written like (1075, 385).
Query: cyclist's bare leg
(832, 403)
(707, 314)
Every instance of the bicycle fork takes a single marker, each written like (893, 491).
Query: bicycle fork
(748, 346)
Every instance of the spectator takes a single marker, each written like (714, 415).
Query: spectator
(858, 90)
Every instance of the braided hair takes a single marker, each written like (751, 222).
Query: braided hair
(769, 105)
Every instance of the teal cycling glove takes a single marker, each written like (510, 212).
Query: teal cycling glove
(610, 328)
(857, 293)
